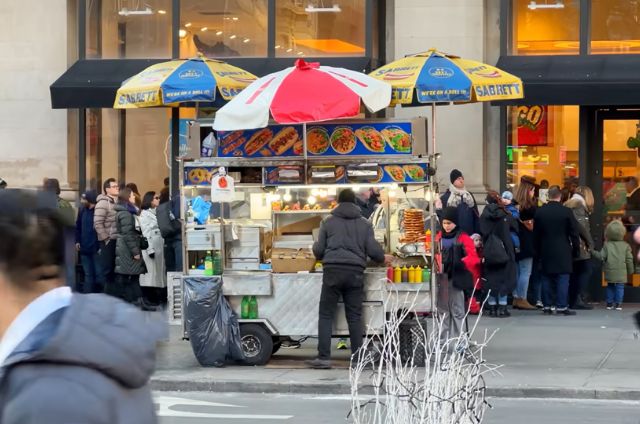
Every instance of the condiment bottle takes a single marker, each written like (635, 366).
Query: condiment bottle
(426, 276)
(390, 273)
(405, 274)
(412, 274)
(418, 274)
(427, 241)
(397, 275)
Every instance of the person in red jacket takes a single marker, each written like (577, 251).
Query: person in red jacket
(456, 262)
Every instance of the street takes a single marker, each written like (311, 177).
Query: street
(240, 408)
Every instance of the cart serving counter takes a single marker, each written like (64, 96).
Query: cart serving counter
(277, 192)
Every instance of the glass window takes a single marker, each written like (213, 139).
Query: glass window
(102, 146)
(546, 27)
(320, 28)
(615, 26)
(223, 28)
(128, 29)
(542, 143)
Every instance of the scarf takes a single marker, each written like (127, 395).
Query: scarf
(459, 196)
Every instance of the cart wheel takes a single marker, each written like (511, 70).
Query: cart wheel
(257, 344)
(276, 346)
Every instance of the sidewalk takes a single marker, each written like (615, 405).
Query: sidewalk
(594, 355)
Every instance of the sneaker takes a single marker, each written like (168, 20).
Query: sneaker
(618, 306)
(547, 311)
(318, 364)
(609, 306)
(539, 304)
(342, 345)
(566, 312)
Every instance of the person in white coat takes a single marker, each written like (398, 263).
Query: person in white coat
(154, 282)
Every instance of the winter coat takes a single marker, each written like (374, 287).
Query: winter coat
(346, 239)
(616, 254)
(500, 279)
(168, 223)
(580, 212)
(87, 363)
(515, 230)
(85, 232)
(105, 218)
(556, 239)
(156, 276)
(468, 220)
(128, 244)
(527, 249)
(460, 261)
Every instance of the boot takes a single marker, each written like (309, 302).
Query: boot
(503, 312)
(516, 303)
(581, 305)
(493, 310)
(526, 306)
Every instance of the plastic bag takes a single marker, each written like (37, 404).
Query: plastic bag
(212, 325)
(201, 210)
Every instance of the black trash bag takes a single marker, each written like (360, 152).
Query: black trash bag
(212, 325)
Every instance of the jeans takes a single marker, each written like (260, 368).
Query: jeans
(173, 255)
(497, 300)
(107, 257)
(348, 284)
(579, 281)
(451, 306)
(536, 283)
(561, 282)
(615, 293)
(524, 273)
(91, 268)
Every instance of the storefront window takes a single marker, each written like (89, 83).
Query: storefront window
(546, 27)
(102, 146)
(128, 29)
(316, 28)
(543, 143)
(614, 26)
(223, 28)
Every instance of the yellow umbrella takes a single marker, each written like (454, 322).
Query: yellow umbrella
(183, 81)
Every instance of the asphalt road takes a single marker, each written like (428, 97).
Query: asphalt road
(240, 408)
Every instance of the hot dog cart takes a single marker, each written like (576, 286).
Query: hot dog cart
(282, 190)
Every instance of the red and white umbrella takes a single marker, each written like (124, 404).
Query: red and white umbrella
(306, 92)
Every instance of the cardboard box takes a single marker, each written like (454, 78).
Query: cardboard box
(292, 260)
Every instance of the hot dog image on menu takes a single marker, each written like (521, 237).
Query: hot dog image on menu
(234, 145)
(258, 141)
(284, 140)
(230, 138)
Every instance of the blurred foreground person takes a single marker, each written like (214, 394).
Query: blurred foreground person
(64, 358)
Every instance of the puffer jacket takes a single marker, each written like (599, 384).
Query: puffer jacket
(616, 254)
(104, 220)
(500, 279)
(346, 239)
(128, 244)
(580, 212)
(87, 363)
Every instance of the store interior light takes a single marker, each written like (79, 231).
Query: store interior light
(533, 5)
(219, 33)
(204, 29)
(233, 37)
(289, 50)
(126, 12)
(235, 18)
(187, 25)
(313, 9)
(277, 46)
(182, 33)
(246, 40)
(162, 12)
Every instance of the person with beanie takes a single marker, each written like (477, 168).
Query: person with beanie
(458, 197)
(345, 243)
(456, 262)
(87, 243)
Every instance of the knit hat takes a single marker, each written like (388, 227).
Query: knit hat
(450, 214)
(90, 196)
(455, 174)
(507, 195)
(476, 237)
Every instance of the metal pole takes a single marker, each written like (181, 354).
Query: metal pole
(432, 205)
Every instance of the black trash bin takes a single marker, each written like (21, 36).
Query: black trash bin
(211, 324)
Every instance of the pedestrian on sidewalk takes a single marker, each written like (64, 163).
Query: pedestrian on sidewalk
(458, 197)
(168, 215)
(154, 282)
(64, 358)
(499, 268)
(87, 243)
(345, 242)
(581, 204)
(618, 263)
(104, 222)
(557, 242)
(526, 201)
(136, 194)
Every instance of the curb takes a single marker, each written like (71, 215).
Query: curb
(342, 388)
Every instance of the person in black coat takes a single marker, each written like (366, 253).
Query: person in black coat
(87, 243)
(557, 243)
(500, 278)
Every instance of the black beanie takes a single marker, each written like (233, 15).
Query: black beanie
(346, 196)
(450, 214)
(455, 174)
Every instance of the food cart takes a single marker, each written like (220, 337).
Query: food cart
(285, 181)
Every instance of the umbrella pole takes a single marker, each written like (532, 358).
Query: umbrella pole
(432, 205)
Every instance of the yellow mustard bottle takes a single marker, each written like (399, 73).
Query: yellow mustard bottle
(412, 274)
(418, 274)
(405, 274)
(397, 275)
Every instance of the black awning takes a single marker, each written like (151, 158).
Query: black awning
(93, 83)
(576, 80)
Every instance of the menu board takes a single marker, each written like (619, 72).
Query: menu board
(410, 173)
(335, 139)
(199, 176)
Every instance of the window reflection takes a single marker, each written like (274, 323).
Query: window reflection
(223, 28)
(320, 28)
(615, 26)
(546, 27)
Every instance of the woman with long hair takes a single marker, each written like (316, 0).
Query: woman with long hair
(154, 282)
(581, 203)
(527, 206)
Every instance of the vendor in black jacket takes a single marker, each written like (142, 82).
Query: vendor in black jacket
(344, 243)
